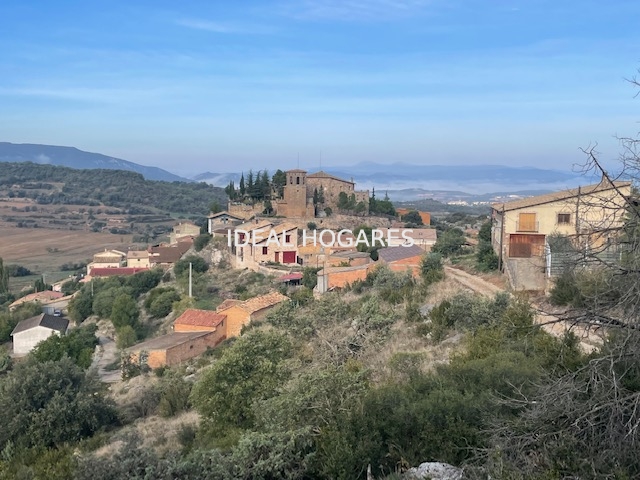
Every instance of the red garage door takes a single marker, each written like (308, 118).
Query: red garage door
(288, 257)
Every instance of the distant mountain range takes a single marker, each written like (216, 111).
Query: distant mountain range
(401, 180)
(465, 182)
(73, 158)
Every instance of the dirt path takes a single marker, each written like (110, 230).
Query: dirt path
(589, 340)
(473, 283)
(106, 354)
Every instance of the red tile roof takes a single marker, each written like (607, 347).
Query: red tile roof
(200, 318)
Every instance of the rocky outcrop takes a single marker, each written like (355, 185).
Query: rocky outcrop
(434, 471)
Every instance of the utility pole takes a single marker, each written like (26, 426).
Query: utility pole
(190, 282)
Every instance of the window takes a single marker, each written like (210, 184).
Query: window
(527, 222)
(564, 218)
(265, 250)
(297, 180)
(287, 238)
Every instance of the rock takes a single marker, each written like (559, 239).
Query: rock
(434, 471)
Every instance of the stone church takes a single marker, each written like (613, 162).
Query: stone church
(298, 198)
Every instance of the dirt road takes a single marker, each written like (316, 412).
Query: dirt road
(589, 339)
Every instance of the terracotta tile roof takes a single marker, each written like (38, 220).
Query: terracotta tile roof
(166, 254)
(199, 318)
(394, 254)
(322, 174)
(418, 234)
(327, 270)
(257, 303)
(223, 213)
(558, 196)
(291, 277)
(349, 254)
(43, 320)
(229, 302)
(263, 235)
(252, 225)
(137, 254)
(263, 301)
(44, 296)
(112, 271)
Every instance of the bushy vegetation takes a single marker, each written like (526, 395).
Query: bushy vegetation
(449, 243)
(486, 259)
(78, 345)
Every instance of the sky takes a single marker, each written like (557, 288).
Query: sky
(224, 86)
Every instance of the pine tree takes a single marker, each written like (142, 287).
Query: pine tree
(242, 187)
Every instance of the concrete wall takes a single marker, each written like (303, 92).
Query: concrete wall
(25, 341)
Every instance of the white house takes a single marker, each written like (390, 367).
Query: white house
(28, 333)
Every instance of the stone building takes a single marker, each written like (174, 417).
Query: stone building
(298, 198)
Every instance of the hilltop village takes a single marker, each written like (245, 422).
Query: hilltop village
(279, 321)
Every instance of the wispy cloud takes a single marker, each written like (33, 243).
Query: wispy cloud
(349, 10)
(225, 28)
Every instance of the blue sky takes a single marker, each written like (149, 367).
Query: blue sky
(192, 86)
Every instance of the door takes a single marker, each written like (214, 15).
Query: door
(288, 257)
(277, 257)
(525, 246)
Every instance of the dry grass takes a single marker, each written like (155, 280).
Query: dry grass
(158, 433)
(43, 249)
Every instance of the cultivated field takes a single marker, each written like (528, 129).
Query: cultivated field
(45, 250)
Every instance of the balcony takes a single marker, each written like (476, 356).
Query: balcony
(527, 227)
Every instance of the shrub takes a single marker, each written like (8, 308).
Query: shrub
(201, 241)
(431, 268)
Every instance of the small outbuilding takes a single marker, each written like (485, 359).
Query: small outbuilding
(28, 333)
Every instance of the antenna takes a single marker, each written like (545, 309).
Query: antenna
(298, 160)
(320, 159)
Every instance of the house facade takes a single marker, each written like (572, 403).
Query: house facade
(107, 259)
(239, 314)
(222, 221)
(589, 215)
(182, 230)
(28, 333)
(138, 258)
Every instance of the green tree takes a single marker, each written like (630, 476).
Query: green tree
(251, 369)
(279, 180)
(431, 268)
(412, 217)
(124, 312)
(449, 243)
(51, 403)
(214, 207)
(310, 277)
(162, 305)
(81, 306)
(126, 336)
(241, 186)
(201, 241)
(79, 345)
(198, 265)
